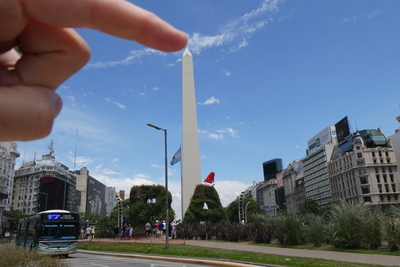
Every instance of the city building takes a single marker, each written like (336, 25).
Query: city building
(266, 197)
(43, 185)
(395, 142)
(293, 180)
(95, 197)
(364, 170)
(271, 168)
(8, 155)
(316, 181)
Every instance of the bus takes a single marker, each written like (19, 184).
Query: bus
(52, 232)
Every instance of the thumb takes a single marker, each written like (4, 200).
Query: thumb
(27, 113)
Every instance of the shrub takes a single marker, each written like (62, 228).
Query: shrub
(372, 227)
(345, 229)
(392, 228)
(13, 256)
(290, 230)
(315, 230)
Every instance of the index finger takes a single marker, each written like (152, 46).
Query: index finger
(116, 17)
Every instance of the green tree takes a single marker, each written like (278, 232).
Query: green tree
(232, 210)
(196, 212)
(14, 218)
(147, 203)
(310, 206)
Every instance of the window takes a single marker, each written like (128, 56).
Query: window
(387, 153)
(367, 199)
(384, 178)
(394, 188)
(380, 153)
(364, 180)
(391, 178)
(362, 171)
(376, 170)
(373, 154)
(383, 170)
(378, 179)
(390, 170)
(380, 188)
(360, 162)
(359, 155)
(365, 190)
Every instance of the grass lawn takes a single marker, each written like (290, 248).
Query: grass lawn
(204, 253)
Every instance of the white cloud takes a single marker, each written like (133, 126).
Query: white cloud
(376, 13)
(212, 100)
(121, 106)
(229, 190)
(226, 73)
(114, 160)
(134, 56)
(236, 32)
(216, 136)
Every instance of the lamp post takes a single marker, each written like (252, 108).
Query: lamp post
(166, 183)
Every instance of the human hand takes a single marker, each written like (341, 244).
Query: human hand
(52, 51)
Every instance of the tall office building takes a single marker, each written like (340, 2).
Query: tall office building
(190, 154)
(8, 155)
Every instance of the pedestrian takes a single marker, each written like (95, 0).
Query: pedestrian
(130, 232)
(92, 232)
(127, 230)
(88, 232)
(161, 229)
(147, 228)
(173, 229)
(116, 233)
(157, 224)
(82, 233)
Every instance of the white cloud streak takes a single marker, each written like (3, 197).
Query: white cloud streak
(212, 100)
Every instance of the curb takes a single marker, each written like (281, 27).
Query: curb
(181, 259)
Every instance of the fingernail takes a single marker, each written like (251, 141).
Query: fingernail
(57, 102)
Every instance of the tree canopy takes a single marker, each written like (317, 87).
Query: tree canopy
(147, 203)
(196, 212)
(232, 211)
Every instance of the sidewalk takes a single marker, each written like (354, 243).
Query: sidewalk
(357, 258)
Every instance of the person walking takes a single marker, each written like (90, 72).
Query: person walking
(92, 232)
(88, 230)
(116, 233)
(147, 228)
(173, 229)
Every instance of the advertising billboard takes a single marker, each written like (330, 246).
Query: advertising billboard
(52, 192)
(342, 129)
(96, 197)
(322, 138)
(298, 169)
(279, 180)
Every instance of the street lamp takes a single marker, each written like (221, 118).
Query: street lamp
(166, 183)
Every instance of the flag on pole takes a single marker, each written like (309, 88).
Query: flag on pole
(176, 158)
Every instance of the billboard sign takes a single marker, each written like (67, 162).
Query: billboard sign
(322, 138)
(96, 197)
(298, 169)
(342, 129)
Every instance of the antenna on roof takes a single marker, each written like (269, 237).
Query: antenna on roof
(51, 148)
(76, 145)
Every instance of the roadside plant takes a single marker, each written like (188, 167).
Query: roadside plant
(392, 228)
(372, 227)
(316, 230)
(290, 229)
(345, 229)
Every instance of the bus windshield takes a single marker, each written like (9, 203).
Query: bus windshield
(56, 231)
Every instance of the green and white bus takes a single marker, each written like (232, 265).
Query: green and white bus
(52, 232)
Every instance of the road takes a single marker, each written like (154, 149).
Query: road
(92, 260)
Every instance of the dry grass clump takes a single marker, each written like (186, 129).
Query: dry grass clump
(11, 256)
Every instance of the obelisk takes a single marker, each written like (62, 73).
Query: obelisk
(190, 154)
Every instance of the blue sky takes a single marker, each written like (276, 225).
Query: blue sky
(269, 75)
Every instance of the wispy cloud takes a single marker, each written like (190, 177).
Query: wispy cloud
(236, 32)
(226, 73)
(220, 134)
(134, 56)
(212, 100)
(373, 15)
(121, 106)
